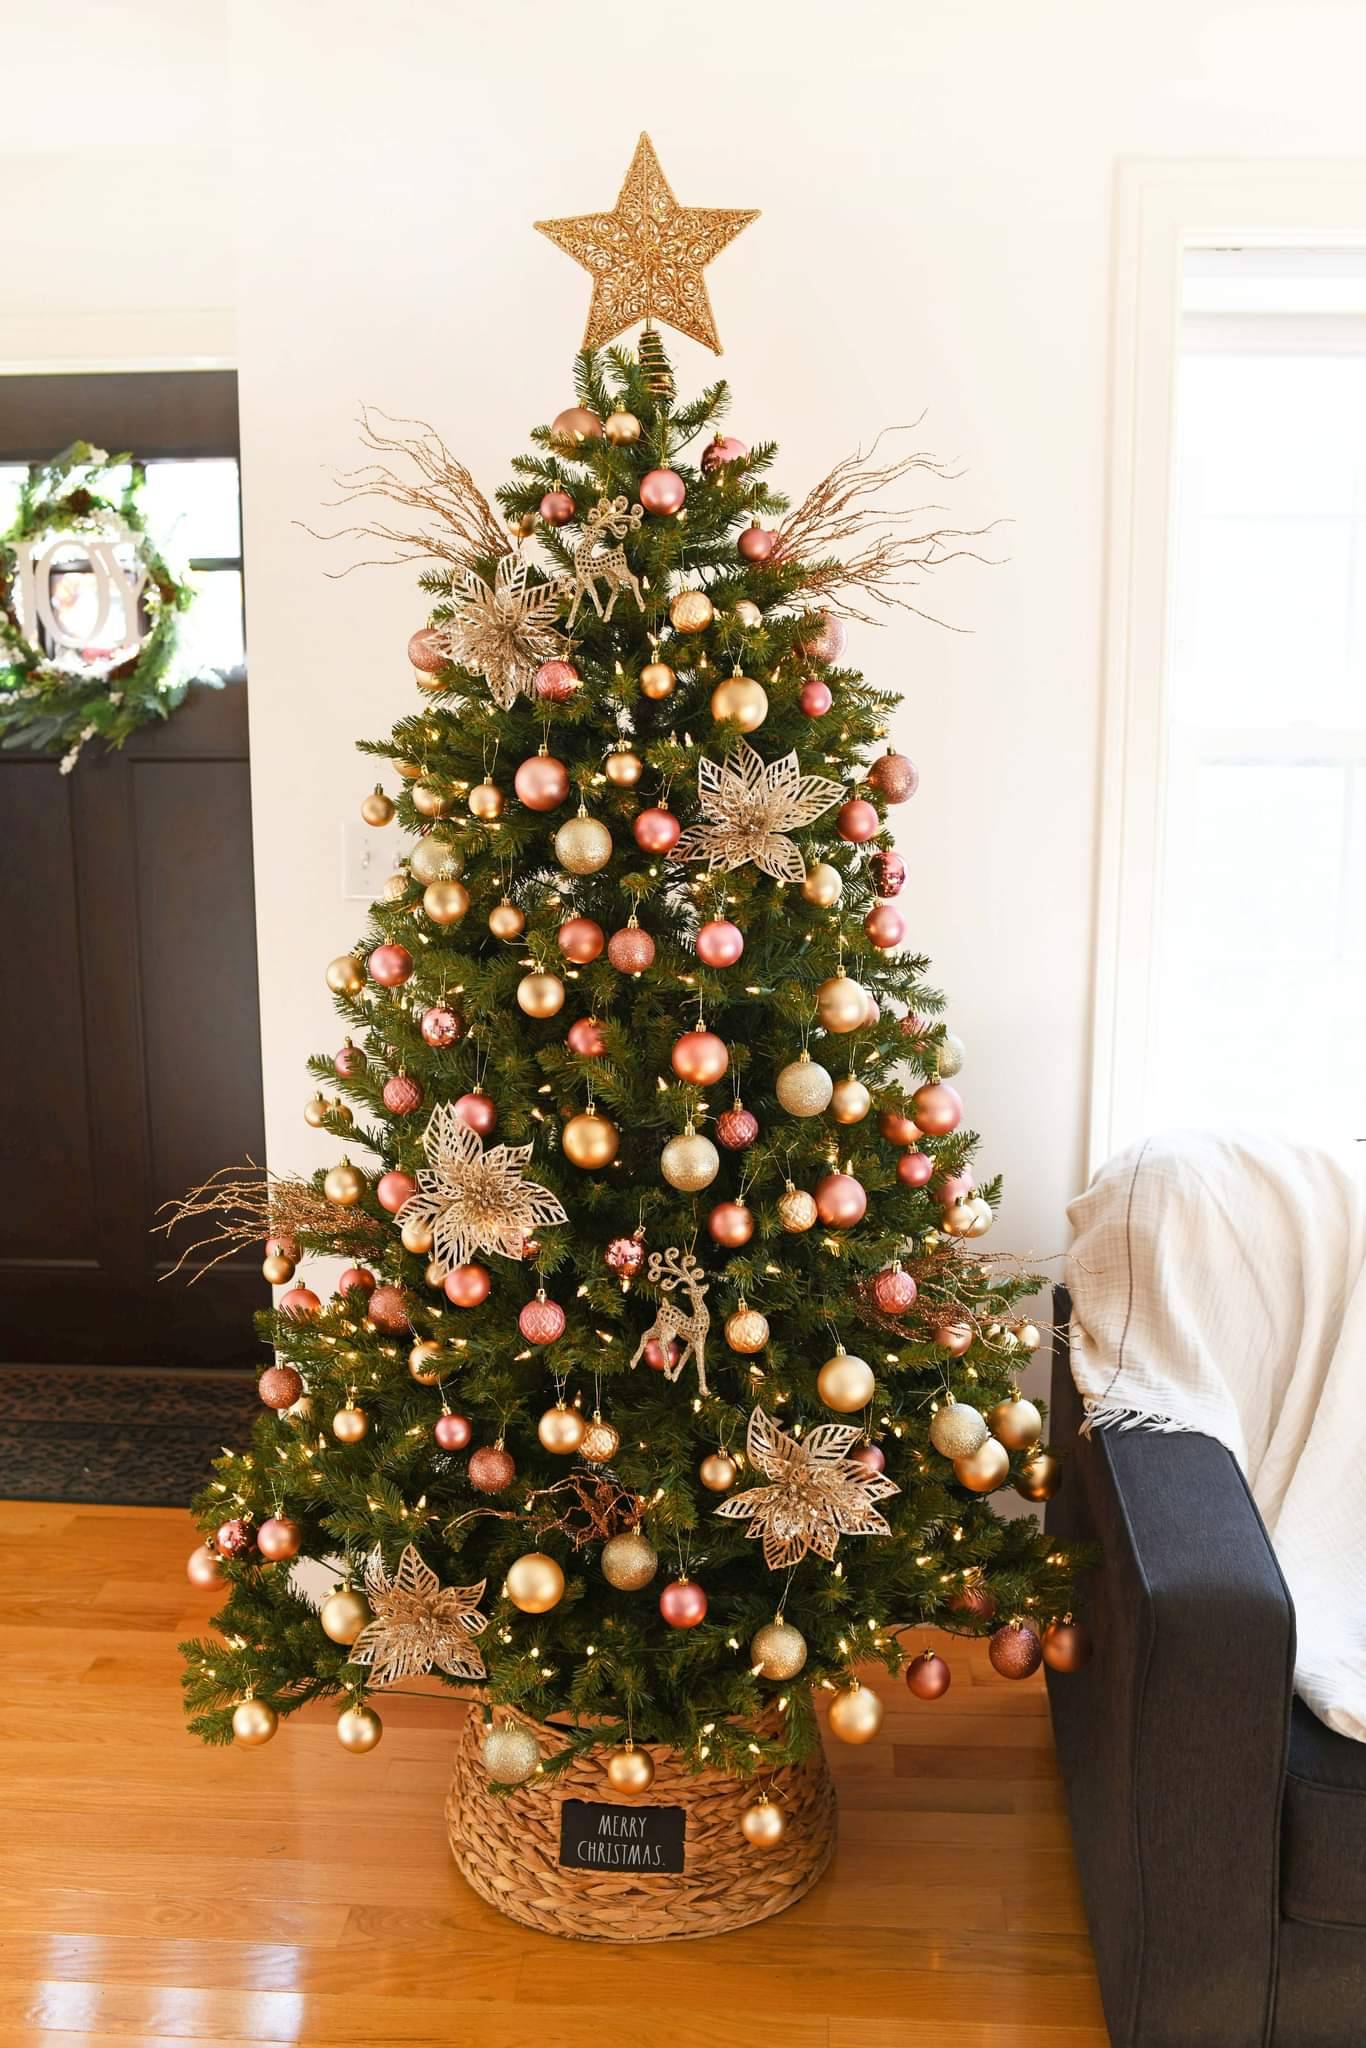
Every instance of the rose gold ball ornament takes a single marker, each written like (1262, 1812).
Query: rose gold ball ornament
(253, 1722)
(846, 1383)
(583, 845)
(542, 782)
(662, 492)
(590, 1141)
(803, 1087)
(723, 448)
(700, 1058)
(683, 1603)
(815, 698)
(885, 926)
(690, 1162)
(491, 1469)
(894, 1291)
(377, 808)
(204, 1567)
(622, 429)
(796, 1210)
(580, 939)
(763, 1824)
(927, 1676)
(975, 1599)
(857, 821)
(625, 1256)
(984, 1469)
(824, 637)
(894, 777)
(868, 1458)
(855, 1714)
(1066, 1645)
(957, 1430)
(954, 1338)
(657, 679)
(719, 1472)
(557, 508)
(357, 1277)
(746, 1331)
(574, 425)
(628, 1561)
(629, 1770)
(430, 800)
(359, 1728)
(777, 1649)
(1016, 1423)
(478, 1111)
(541, 1321)
(540, 995)
(657, 830)
(344, 1185)
(486, 802)
(467, 1286)
(824, 886)
(736, 1128)
(279, 1537)
(1015, 1650)
(601, 1442)
(390, 965)
(510, 1753)
(719, 943)
(756, 544)
(441, 1026)
(387, 1310)
(561, 1430)
(280, 1386)
(850, 1102)
(623, 769)
(741, 702)
(301, 1304)
(692, 611)
(344, 975)
(452, 1432)
(841, 1201)
(506, 920)
(631, 950)
(425, 651)
(350, 1424)
(731, 1224)
(585, 1038)
(914, 1169)
(1039, 1477)
(937, 1109)
(344, 1614)
(663, 1357)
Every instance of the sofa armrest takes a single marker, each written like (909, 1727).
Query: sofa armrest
(1173, 1740)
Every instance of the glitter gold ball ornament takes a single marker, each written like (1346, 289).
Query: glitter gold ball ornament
(804, 1088)
(629, 1769)
(796, 1210)
(824, 885)
(623, 769)
(344, 1614)
(763, 1824)
(984, 1469)
(510, 1753)
(850, 1102)
(344, 1185)
(540, 995)
(894, 777)
(657, 680)
(424, 1362)
(692, 611)
(580, 939)
(846, 1383)
(718, 1472)
(1015, 1650)
(937, 1109)
(583, 845)
(1039, 1477)
(690, 1162)
(601, 1442)
(841, 1201)
(561, 1430)
(1016, 1423)
(350, 1424)
(747, 1331)
(359, 1728)
(279, 1272)
(631, 950)
(590, 1141)
(699, 1058)
(949, 1056)
(253, 1722)
(1066, 1645)
(377, 809)
(629, 1562)
(731, 1224)
(441, 1026)
(622, 429)
(928, 1677)
(506, 921)
(741, 702)
(736, 1128)
(855, 1714)
(541, 783)
(430, 800)
(486, 802)
(778, 1649)
(574, 425)
(534, 1583)
(344, 975)
(491, 1469)
(957, 1430)
(662, 492)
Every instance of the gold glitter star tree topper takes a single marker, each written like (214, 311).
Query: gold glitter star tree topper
(647, 256)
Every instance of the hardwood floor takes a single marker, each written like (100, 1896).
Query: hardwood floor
(153, 1892)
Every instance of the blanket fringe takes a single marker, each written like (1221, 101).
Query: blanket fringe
(1115, 1415)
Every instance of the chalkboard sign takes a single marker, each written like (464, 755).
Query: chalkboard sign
(635, 1839)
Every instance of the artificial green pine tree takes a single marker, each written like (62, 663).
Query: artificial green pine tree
(701, 1326)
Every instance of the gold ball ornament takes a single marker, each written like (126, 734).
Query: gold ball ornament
(583, 845)
(277, 1269)
(630, 1769)
(1040, 1477)
(561, 1430)
(601, 1442)
(657, 680)
(628, 1561)
(377, 809)
(804, 1088)
(957, 1429)
(1016, 1423)
(359, 1728)
(315, 1112)
(253, 1722)
(855, 1714)
(764, 1824)
(445, 902)
(623, 769)
(506, 921)
(350, 1424)
(1027, 1336)
(344, 1185)
(345, 975)
(575, 424)
(590, 1141)
(692, 611)
(622, 429)
(984, 1469)
(824, 885)
(344, 1614)
(416, 1237)
(718, 1472)
(797, 1210)
(777, 1649)
(510, 1753)
(486, 802)
(741, 702)
(850, 1102)
(746, 1331)
(690, 1162)
(846, 1383)
(747, 613)
(430, 800)
(424, 1362)
(540, 995)
(436, 860)
(395, 888)
(534, 1582)
(841, 1005)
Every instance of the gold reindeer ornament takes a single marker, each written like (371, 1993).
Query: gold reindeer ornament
(668, 1270)
(614, 518)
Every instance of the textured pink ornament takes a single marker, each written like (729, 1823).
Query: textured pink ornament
(857, 820)
(720, 943)
(825, 637)
(557, 508)
(699, 1058)
(204, 1567)
(557, 682)
(914, 1169)
(491, 1469)
(234, 1538)
(625, 1256)
(442, 1026)
(402, 1094)
(301, 1304)
(356, 1277)
(937, 1109)
(390, 965)
(542, 782)
(657, 831)
(349, 1062)
(452, 1432)
(631, 950)
(841, 1201)
(887, 871)
(884, 926)
(467, 1286)
(387, 1309)
(915, 1028)
(731, 1224)
(662, 492)
(894, 777)
(683, 1603)
(541, 1322)
(479, 1112)
(663, 1357)
(1015, 1651)
(425, 651)
(736, 1128)
(393, 1189)
(280, 1386)
(756, 544)
(815, 698)
(580, 939)
(724, 448)
(894, 1291)
(928, 1677)
(869, 1459)
(585, 1036)
(280, 1537)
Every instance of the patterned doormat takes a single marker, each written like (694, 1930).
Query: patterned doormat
(126, 1438)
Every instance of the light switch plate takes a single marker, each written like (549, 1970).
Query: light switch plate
(369, 856)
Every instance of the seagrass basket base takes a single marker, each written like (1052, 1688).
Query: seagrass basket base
(570, 1856)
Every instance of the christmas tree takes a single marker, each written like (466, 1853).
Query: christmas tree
(667, 1369)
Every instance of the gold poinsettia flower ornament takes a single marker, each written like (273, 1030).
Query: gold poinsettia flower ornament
(475, 1200)
(503, 630)
(815, 1494)
(749, 806)
(419, 1624)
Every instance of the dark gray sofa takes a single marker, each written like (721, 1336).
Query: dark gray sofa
(1220, 1828)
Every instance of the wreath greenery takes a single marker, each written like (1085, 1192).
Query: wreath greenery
(50, 706)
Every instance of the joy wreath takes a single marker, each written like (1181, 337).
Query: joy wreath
(90, 611)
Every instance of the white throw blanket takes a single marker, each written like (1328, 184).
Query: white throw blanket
(1219, 1284)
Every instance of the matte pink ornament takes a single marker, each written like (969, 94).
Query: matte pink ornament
(868, 1458)
(280, 1538)
(937, 1109)
(467, 1286)
(542, 782)
(857, 820)
(301, 1304)
(724, 448)
(894, 777)
(349, 1062)
(425, 651)
(683, 1603)
(557, 508)
(898, 1129)
(815, 698)
(631, 950)
(402, 1095)
(736, 1128)
(390, 965)
(541, 1322)
(928, 1677)
(953, 1339)
(581, 939)
(955, 1187)
(387, 1309)
(894, 1291)
(204, 1567)
(585, 1036)
(662, 492)
(700, 1057)
(393, 1189)
(756, 544)
(825, 637)
(478, 1111)
(442, 1026)
(657, 831)
(841, 1201)
(884, 926)
(720, 943)
(356, 1277)
(662, 1357)
(731, 1224)
(556, 682)
(915, 1169)
(452, 1432)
